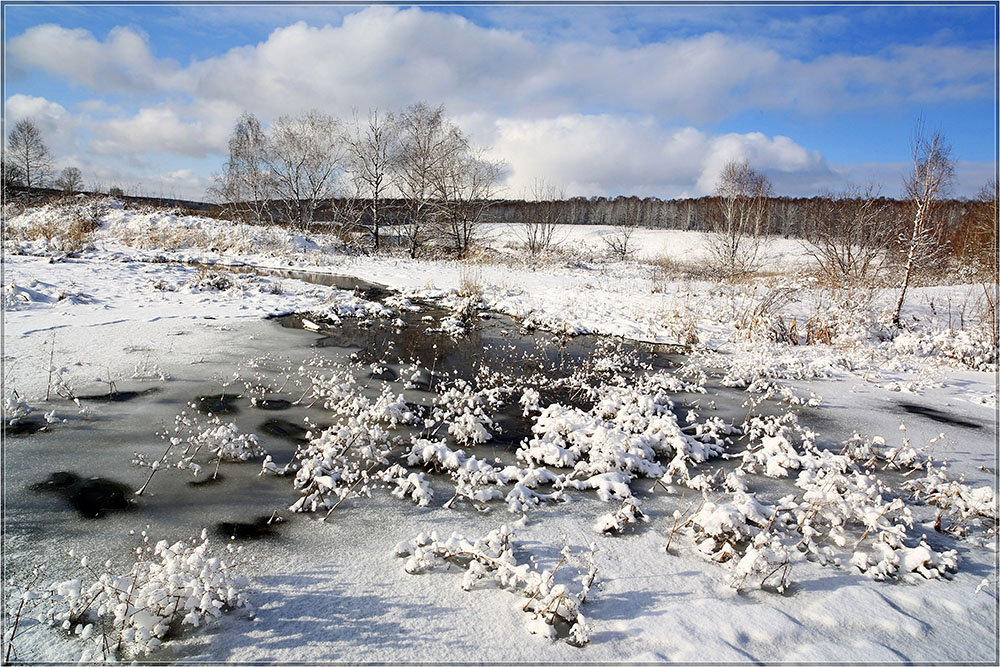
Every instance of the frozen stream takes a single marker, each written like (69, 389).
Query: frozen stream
(48, 507)
(327, 590)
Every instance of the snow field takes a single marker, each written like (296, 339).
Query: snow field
(647, 604)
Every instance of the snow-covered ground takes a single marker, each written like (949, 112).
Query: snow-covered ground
(160, 299)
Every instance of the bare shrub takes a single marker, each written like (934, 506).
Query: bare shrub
(619, 240)
(470, 284)
(849, 234)
(737, 219)
(757, 316)
(539, 220)
(662, 268)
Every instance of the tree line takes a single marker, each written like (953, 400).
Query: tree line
(418, 173)
(415, 169)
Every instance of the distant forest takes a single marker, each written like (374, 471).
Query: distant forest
(785, 216)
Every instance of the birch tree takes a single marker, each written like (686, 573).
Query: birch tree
(465, 185)
(371, 149)
(307, 157)
(27, 152)
(427, 142)
(927, 183)
(246, 185)
(738, 218)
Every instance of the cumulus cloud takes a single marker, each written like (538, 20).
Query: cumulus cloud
(57, 126)
(378, 57)
(192, 132)
(596, 118)
(122, 62)
(388, 57)
(604, 154)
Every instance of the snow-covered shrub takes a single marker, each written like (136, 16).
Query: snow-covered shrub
(212, 281)
(411, 484)
(466, 411)
(722, 530)
(491, 560)
(774, 444)
(961, 347)
(888, 562)
(834, 500)
(959, 505)
(129, 612)
(626, 515)
(342, 459)
(765, 556)
(221, 441)
(628, 429)
(15, 408)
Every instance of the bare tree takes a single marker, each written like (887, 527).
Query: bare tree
(625, 220)
(928, 182)
(465, 185)
(27, 151)
(737, 219)
(70, 180)
(427, 141)
(849, 233)
(371, 148)
(306, 157)
(984, 228)
(246, 184)
(539, 220)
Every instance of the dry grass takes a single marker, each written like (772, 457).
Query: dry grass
(988, 315)
(758, 315)
(71, 228)
(470, 283)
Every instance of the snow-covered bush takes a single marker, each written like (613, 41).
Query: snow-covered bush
(221, 441)
(959, 347)
(626, 515)
(15, 408)
(959, 506)
(343, 458)
(491, 560)
(125, 613)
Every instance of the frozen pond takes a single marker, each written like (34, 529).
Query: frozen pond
(72, 484)
(250, 382)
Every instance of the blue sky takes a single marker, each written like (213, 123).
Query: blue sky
(596, 100)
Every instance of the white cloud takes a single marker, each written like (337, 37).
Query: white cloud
(590, 117)
(57, 126)
(122, 62)
(378, 57)
(390, 57)
(196, 131)
(610, 155)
